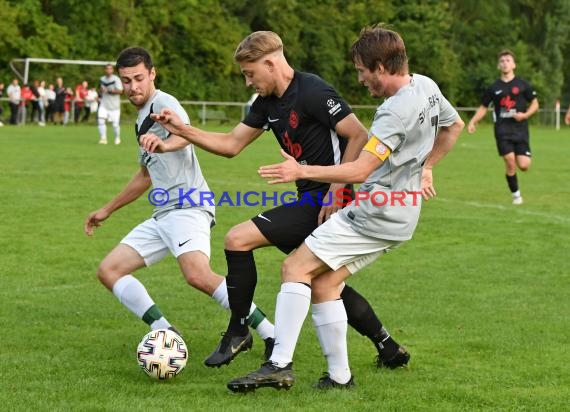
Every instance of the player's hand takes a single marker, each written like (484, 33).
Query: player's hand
(287, 171)
(334, 203)
(519, 116)
(428, 191)
(471, 128)
(169, 120)
(94, 220)
(152, 143)
(567, 119)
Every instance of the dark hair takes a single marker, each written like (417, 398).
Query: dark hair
(132, 56)
(378, 45)
(506, 52)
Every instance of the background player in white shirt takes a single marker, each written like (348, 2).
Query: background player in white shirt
(412, 130)
(110, 105)
(179, 226)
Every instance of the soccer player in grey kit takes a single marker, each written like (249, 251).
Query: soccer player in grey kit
(181, 228)
(412, 131)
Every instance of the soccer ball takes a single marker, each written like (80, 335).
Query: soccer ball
(162, 354)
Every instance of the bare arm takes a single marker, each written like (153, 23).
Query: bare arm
(154, 144)
(532, 109)
(446, 138)
(132, 191)
(567, 117)
(479, 114)
(224, 144)
(357, 135)
(350, 172)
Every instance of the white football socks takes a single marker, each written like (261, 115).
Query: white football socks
(102, 129)
(330, 321)
(291, 309)
(132, 294)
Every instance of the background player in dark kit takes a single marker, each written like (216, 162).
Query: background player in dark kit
(514, 101)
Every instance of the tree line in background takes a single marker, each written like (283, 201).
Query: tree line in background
(192, 41)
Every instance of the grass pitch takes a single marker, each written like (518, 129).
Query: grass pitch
(480, 296)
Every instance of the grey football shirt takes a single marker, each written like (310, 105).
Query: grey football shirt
(176, 176)
(407, 123)
(111, 101)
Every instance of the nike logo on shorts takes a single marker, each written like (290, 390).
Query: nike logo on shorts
(272, 120)
(180, 244)
(263, 217)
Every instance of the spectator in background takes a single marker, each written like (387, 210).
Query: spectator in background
(1, 103)
(567, 117)
(91, 103)
(59, 103)
(27, 96)
(35, 102)
(79, 105)
(67, 104)
(14, 93)
(50, 106)
(42, 103)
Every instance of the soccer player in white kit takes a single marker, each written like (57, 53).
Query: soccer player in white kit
(180, 223)
(110, 105)
(412, 131)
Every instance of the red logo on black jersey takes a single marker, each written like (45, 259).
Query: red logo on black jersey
(508, 103)
(293, 119)
(294, 149)
(515, 90)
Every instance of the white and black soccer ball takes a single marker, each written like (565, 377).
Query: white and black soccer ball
(162, 354)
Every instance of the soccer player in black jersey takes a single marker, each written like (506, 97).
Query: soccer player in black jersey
(514, 101)
(313, 124)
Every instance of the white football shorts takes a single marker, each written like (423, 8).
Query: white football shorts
(113, 116)
(337, 244)
(179, 231)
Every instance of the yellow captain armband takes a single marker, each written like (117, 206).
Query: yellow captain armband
(377, 148)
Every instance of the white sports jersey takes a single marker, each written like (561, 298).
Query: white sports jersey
(111, 101)
(176, 176)
(407, 123)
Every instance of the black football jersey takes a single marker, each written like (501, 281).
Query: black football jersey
(509, 98)
(303, 120)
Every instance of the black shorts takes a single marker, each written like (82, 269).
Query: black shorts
(506, 145)
(287, 226)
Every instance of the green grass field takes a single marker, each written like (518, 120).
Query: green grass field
(480, 296)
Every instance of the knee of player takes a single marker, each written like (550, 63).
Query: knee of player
(105, 272)
(192, 278)
(234, 240)
(289, 273)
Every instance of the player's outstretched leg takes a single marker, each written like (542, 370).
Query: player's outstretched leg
(361, 317)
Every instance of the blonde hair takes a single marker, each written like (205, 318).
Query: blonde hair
(257, 45)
